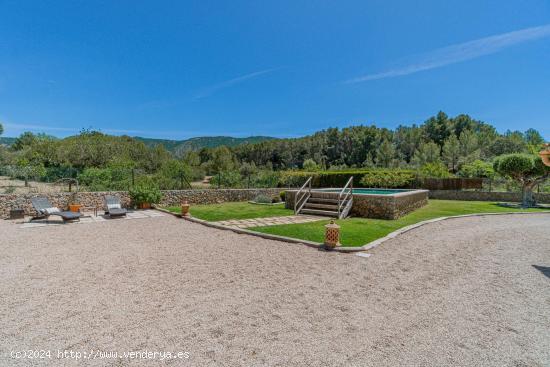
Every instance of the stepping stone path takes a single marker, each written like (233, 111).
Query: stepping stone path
(271, 221)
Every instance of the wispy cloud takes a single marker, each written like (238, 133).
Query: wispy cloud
(208, 91)
(33, 127)
(461, 52)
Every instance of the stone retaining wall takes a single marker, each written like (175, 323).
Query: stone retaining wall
(95, 199)
(543, 198)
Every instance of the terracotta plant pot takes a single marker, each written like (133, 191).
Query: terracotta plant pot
(185, 209)
(145, 205)
(75, 208)
(545, 156)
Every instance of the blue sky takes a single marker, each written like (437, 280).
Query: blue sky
(178, 69)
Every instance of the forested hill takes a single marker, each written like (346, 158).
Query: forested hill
(180, 146)
(6, 141)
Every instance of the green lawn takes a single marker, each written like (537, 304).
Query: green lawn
(360, 231)
(238, 210)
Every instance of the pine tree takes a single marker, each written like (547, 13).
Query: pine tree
(451, 152)
(385, 154)
(426, 153)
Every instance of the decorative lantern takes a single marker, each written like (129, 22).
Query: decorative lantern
(332, 235)
(185, 208)
(545, 155)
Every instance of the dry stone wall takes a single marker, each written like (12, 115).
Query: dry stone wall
(95, 199)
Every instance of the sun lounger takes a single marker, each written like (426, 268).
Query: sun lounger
(45, 209)
(113, 207)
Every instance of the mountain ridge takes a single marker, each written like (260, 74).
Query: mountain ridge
(181, 146)
(199, 142)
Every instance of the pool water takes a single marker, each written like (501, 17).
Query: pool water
(370, 191)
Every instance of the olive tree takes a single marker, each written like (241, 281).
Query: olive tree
(528, 170)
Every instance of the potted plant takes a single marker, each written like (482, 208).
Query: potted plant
(145, 195)
(74, 204)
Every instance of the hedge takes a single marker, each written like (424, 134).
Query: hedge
(365, 178)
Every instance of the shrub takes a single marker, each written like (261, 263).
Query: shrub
(227, 179)
(477, 168)
(96, 179)
(391, 179)
(275, 199)
(310, 165)
(265, 179)
(263, 199)
(435, 170)
(377, 178)
(145, 193)
(282, 195)
(104, 179)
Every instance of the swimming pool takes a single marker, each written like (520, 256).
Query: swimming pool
(367, 202)
(369, 191)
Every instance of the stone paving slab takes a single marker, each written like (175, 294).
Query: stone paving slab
(90, 218)
(270, 221)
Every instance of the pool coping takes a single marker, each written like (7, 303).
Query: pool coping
(345, 249)
(397, 194)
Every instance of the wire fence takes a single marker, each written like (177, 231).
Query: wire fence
(15, 179)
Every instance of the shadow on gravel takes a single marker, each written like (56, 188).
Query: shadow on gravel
(543, 269)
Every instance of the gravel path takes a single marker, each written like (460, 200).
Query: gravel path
(463, 292)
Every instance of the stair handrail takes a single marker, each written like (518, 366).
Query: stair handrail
(306, 195)
(348, 186)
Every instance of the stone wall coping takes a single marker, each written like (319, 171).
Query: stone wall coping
(126, 192)
(397, 194)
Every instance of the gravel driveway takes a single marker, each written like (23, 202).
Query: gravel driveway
(463, 292)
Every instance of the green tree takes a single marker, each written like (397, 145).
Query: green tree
(24, 140)
(310, 165)
(222, 159)
(451, 152)
(477, 169)
(1, 129)
(247, 170)
(29, 170)
(526, 169)
(438, 128)
(174, 174)
(434, 170)
(510, 142)
(426, 153)
(533, 137)
(469, 146)
(369, 161)
(191, 158)
(385, 154)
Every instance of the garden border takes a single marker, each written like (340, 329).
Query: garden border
(369, 246)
